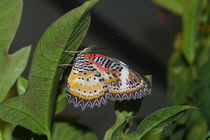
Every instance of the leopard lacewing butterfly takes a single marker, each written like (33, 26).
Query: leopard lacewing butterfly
(95, 79)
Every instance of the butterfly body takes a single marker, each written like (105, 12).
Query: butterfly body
(96, 78)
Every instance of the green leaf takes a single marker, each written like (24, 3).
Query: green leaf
(208, 136)
(22, 85)
(11, 65)
(34, 109)
(6, 130)
(190, 28)
(122, 118)
(64, 131)
(154, 134)
(201, 90)
(10, 13)
(178, 74)
(175, 6)
(174, 131)
(61, 101)
(198, 126)
(156, 119)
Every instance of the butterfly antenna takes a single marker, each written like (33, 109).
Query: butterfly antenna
(96, 47)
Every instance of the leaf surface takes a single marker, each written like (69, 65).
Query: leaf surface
(34, 109)
(201, 90)
(64, 131)
(11, 66)
(156, 119)
(121, 119)
(22, 85)
(6, 130)
(190, 28)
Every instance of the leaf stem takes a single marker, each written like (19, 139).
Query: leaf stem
(49, 136)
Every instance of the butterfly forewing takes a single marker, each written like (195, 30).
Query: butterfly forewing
(86, 87)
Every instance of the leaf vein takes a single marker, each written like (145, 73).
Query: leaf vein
(27, 114)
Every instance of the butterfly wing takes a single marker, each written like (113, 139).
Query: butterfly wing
(123, 83)
(86, 86)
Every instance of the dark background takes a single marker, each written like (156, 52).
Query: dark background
(137, 32)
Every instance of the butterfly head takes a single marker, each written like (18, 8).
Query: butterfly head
(81, 55)
(87, 50)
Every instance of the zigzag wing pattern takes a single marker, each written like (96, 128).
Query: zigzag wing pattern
(86, 87)
(123, 83)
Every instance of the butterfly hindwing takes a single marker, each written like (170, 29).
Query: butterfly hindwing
(123, 83)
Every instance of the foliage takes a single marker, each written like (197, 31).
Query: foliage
(189, 67)
(156, 120)
(39, 99)
(12, 65)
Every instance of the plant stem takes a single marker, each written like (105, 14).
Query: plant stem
(49, 136)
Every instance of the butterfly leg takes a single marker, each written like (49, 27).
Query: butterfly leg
(72, 51)
(63, 65)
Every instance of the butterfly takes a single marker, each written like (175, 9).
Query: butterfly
(95, 79)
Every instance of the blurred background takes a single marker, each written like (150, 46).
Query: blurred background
(137, 32)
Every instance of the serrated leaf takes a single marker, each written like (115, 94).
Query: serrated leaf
(156, 119)
(175, 6)
(22, 85)
(34, 109)
(64, 131)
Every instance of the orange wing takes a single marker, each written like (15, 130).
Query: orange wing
(87, 89)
